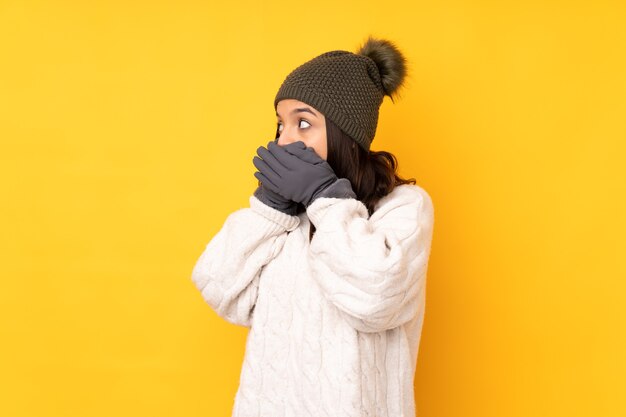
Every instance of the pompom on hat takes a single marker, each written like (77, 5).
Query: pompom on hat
(348, 88)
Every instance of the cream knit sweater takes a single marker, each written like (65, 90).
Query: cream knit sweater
(335, 325)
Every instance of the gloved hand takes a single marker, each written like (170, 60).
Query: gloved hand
(293, 171)
(275, 200)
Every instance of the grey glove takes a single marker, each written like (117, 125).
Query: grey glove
(342, 188)
(275, 200)
(294, 171)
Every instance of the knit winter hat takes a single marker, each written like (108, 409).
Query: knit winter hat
(348, 88)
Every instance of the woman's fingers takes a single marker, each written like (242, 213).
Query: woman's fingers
(285, 158)
(306, 154)
(265, 169)
(263, 166)
(270, 159)
(266, 182)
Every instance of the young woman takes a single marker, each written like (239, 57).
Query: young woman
(327, 267)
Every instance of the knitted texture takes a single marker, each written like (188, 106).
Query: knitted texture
(335, 323)
(344, 86)
(348, 88)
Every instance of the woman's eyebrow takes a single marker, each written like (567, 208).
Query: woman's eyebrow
(300, 110)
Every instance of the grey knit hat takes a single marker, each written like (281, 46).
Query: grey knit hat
(348, 88)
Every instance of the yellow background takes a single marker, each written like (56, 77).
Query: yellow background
(127, 135)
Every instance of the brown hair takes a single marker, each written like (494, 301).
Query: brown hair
(373, 174)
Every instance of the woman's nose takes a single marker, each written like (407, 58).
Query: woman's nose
(283, 140)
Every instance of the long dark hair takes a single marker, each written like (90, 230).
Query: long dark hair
(372, 174)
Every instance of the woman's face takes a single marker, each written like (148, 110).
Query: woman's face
(297, 121)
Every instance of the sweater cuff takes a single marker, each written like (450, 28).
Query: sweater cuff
(283, 219)
(339, 204)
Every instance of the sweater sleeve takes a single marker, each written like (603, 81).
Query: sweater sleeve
(373, 269)
(228, 270)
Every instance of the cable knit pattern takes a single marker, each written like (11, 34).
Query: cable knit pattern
(335, 324)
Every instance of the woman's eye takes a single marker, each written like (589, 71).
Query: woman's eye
(280, 125)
